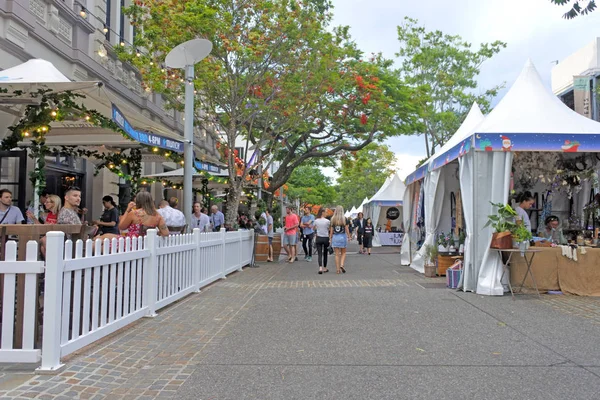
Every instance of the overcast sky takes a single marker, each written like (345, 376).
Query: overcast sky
(531, 28)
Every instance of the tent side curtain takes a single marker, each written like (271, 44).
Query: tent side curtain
(455, 152)
(561, 142)
(417, 175)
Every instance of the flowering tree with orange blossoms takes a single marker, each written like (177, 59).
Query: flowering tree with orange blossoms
(277, 76)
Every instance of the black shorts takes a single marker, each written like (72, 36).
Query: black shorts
(360, 236)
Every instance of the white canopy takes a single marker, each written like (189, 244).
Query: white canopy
(393, 192)
(433, 211)
(360, 208)
(526, 117)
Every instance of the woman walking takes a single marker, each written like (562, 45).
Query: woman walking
(339, 234)
(322, 227)
(368, 235)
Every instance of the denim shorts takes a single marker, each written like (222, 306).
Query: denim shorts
(339, 240)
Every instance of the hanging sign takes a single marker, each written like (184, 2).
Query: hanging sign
(392, 213)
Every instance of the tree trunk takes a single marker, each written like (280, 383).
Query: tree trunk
(268, 199)
(233, 204)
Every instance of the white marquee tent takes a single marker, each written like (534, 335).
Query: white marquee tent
(437, 184)
(528, 118)
(390, 195)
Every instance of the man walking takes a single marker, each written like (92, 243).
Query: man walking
(307, 224)
(9, 214)
(217, 219)
(290, 236)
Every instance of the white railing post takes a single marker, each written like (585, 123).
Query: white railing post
(151, 273)
(223, 276)
(53, 296)
(197, 262)
(241, 252)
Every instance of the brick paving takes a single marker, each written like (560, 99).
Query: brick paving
(154, 357)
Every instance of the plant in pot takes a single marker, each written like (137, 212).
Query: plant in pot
(522, 236)
(503, 224)
(431, 253)
(442, 242)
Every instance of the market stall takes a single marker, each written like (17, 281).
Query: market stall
(385, 210)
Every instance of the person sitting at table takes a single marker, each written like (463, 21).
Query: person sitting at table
(9, 214)
(41, 210)
(68, 214)
(110, 217)
(551, 231)
(525, 201)
(52, 206)
(141, 215)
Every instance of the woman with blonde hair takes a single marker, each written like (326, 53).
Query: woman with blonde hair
(53, 206)
(339, 234)
(141, 215)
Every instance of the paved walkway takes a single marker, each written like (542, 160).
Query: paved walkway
(380, 331)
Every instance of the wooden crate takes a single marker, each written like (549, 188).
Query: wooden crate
(444, 262)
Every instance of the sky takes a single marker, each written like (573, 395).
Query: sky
(531, 28)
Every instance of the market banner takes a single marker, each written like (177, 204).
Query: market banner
(152, 139)
(582, 95)
(560, 142)
(417, 175)
(455, 152)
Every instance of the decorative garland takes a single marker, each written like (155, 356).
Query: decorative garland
(53, 106)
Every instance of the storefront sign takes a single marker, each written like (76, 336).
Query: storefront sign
(560, 142)
(203, 166)
(582, 95)
(147, 138)
(392, 213)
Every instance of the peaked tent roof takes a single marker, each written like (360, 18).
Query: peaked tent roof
(530, 107)
(360, 208)
(392, 194)
(451, 150)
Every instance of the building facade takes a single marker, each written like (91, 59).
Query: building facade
(77, 37)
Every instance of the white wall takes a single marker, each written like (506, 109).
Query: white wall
(584, 61)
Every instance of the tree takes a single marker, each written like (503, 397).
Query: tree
(254, 42)
(308, 184)
(363, 172)
(444, 69)
(577, 9)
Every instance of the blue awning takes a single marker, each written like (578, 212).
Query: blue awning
(417, 175)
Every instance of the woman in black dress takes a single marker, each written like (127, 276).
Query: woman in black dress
(368, 235)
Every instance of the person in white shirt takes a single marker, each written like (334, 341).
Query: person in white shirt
(525, 201)
(321, 225)
(200, 219)
(171, 216)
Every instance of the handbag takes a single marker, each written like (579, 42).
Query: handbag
(330, 250)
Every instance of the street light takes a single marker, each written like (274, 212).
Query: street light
(186, 55)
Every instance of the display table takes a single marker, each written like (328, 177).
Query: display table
(553, 271)
(527, 256)
(390, 238)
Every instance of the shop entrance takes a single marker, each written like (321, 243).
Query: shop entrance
(13, 175)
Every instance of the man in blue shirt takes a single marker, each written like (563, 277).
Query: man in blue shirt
(9, 214)
(307, 223)
(217, 219)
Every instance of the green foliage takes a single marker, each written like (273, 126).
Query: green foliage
(362, 173)
(431, 253)
(577, 9)
(503, 219)
(522, 234)
(308, 184)
(444, 69)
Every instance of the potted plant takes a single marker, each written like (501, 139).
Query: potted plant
(431, 253)
(462, 236)
(442, 242)
(522, 236)
(503, 224)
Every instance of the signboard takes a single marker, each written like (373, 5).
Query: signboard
(155, 140)
(538, 142)
(392, 213)
(417, 175)
(581, 94)
(147, 138)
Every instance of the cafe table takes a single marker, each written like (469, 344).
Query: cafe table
(528, 261)
(24, 234)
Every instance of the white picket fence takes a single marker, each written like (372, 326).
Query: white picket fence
(93, 289)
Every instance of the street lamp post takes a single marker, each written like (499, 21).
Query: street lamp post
(185, 56)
